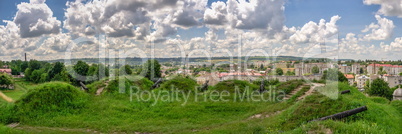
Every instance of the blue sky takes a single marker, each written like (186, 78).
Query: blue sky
(355, 16)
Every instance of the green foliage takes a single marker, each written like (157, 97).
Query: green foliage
(28, 73)
(6, 80)
(279, 71)
(334, 74)
(34, 64)
(7, 113)
(290, 73)
(36, 75)
(180, 83)
(152, 69)
(126, 69)
(126, 83)
(232, 85)
(266, 82)
(81, 68)
(49, 98)
(57, 68)
(44, 78)
(315, 70)
(379, 87)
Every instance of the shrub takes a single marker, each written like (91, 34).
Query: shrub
(51, 97)
(230, 86)
(180, 83)
(140, 82)
(380, 88)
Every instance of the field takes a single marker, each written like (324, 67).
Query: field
(114, 112)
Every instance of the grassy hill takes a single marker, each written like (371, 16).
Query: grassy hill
(194, 113)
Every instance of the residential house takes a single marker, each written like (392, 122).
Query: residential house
(351, 78)
(7, 71)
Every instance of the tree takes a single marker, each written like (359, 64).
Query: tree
(81, 68)
(6, 80)
(315, 70)
(24, 66)
(290, 73)
(279, 71)
(34, 65)
(381, 71)
(56, 69)
(261, 67)
(127, 69)
(28, 73)
(361, 71)
(334, 75)
(152, 69)
(36, 76)
(379, 87)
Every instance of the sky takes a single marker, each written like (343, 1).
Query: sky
(62, 29)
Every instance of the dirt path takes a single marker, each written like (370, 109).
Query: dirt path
(5, 97)
(315, 85)
(288, 96)
(100, 90)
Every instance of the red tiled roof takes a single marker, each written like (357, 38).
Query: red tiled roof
(384, 65)
(237, 74)
(5, 70)
(349, 76)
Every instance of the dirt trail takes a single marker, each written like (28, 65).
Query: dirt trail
(315, 85)
(5, 97)
(100, 90)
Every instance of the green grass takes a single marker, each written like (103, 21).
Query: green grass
(111, 113)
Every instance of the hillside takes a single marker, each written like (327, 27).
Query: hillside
(109, 113)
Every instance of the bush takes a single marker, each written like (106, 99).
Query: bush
(7, 114)
(380, 88)
(51, 97)
(230, 86)
(140, 82)
(180, 83)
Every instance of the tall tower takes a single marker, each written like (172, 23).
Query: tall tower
(25, 56)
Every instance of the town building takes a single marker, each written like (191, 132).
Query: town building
(393, 80)
(306, 68)
(390, 69)
(7, 71)
(351, 78)
(361, 81)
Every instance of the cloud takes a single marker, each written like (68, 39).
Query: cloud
(35, 19)
(395, 46)
(216, 15)
(313, 32)
(381, 31)
(388, 7)
(242, 14)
